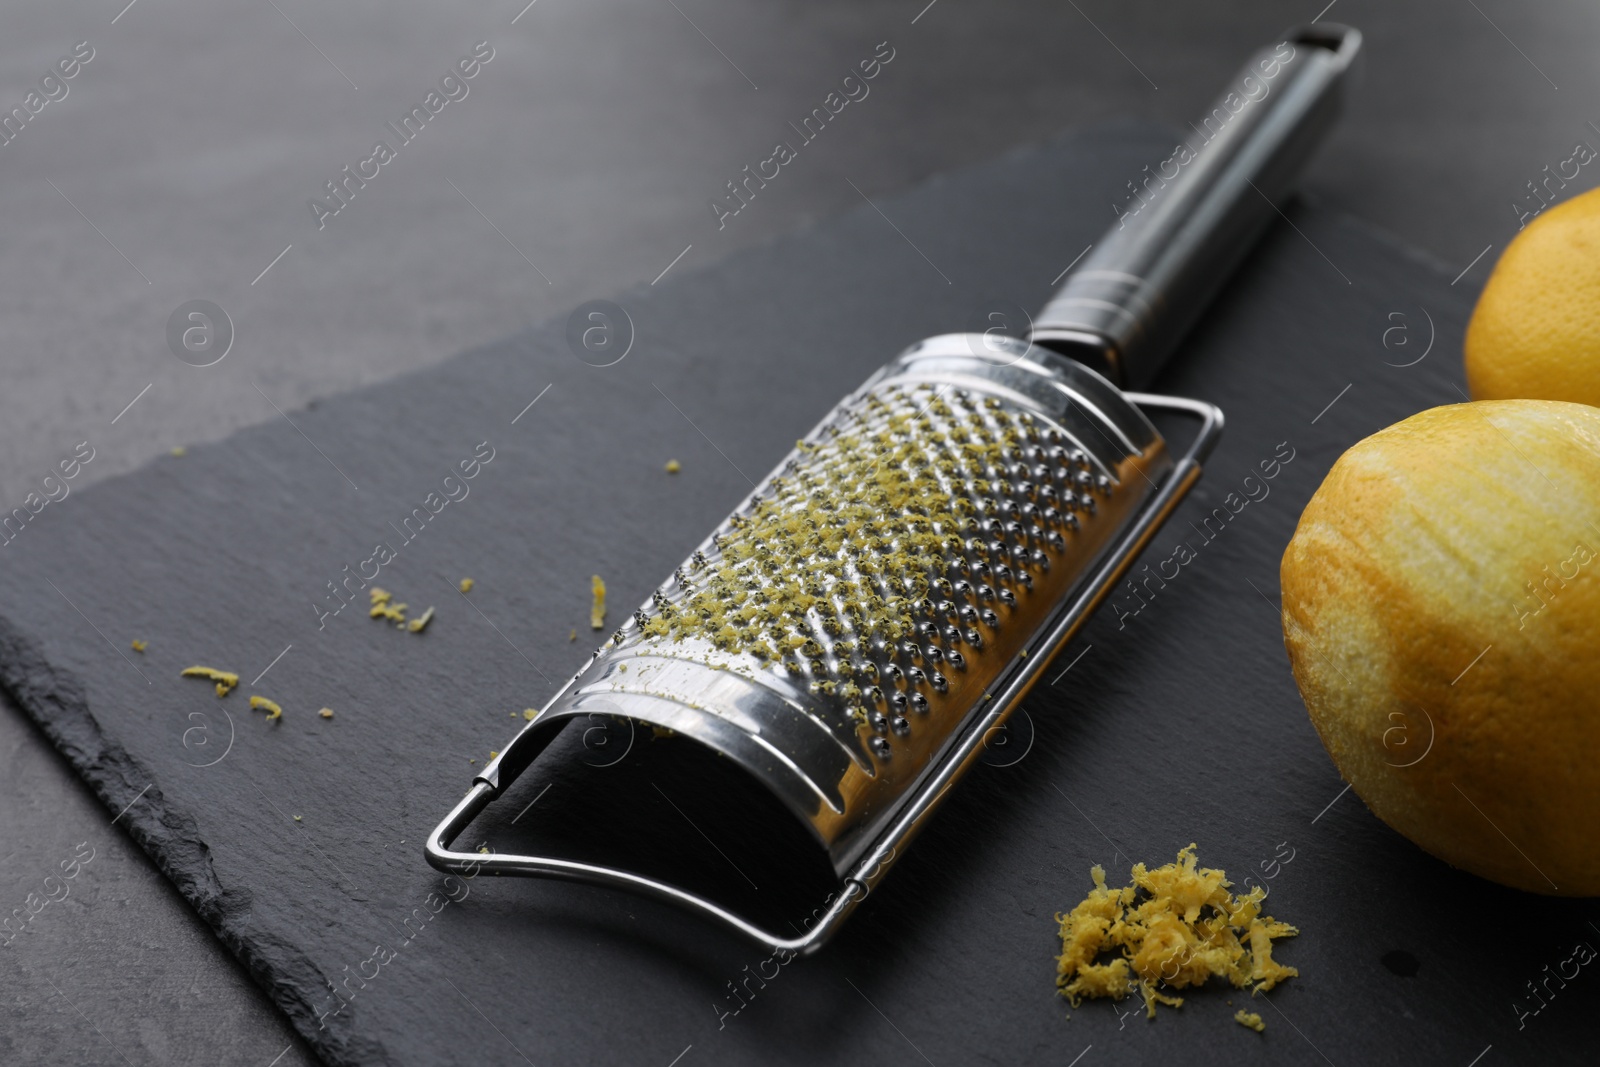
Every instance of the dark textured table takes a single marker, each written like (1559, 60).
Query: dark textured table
(193, 139)
(1172, 719)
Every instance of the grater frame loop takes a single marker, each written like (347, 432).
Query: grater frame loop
(880, 855)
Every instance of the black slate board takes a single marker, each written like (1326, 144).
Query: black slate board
(1180, 723)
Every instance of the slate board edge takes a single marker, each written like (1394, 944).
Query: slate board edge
(54, 698)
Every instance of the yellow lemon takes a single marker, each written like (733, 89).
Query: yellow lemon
(1535, 333)
(1441, 607)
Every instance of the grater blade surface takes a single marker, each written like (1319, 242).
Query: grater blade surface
(838, 631)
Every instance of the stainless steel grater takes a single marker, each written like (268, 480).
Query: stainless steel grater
(888, 595)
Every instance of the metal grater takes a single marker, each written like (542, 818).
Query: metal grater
(886, 596)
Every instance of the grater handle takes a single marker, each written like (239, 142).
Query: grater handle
(1188, 221)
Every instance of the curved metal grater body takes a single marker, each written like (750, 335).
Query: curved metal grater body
(891, 592)
(842, 626)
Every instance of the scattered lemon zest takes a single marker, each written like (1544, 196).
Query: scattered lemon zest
(493, 753)
(138, 645)
(529, 714)
(1176, 926)
(297, 818)
(384, 607)
(179, 450)
(274, 713)
(597, 612)
(1250, 1019)
(573, 636)
(326, 713)
(226, 680)
(420, 623)
(465, 585)
(673, 466)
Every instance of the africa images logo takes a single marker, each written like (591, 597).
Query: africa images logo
(852, 89)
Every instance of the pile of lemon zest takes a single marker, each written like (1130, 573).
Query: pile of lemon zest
(465, 585)
(597, 611)
(274, 713)
(1175, 926)
(378, 596)
(419, 623)
(1250, 1019)
(226, 680)
(326, 713)
(1148, 991)
(673, 466)
(1265, 971)
(138, 645)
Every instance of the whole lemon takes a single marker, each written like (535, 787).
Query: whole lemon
(1441, 607)
(1535, 333)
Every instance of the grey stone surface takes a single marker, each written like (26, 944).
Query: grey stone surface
(195, 135)
(297, 841)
